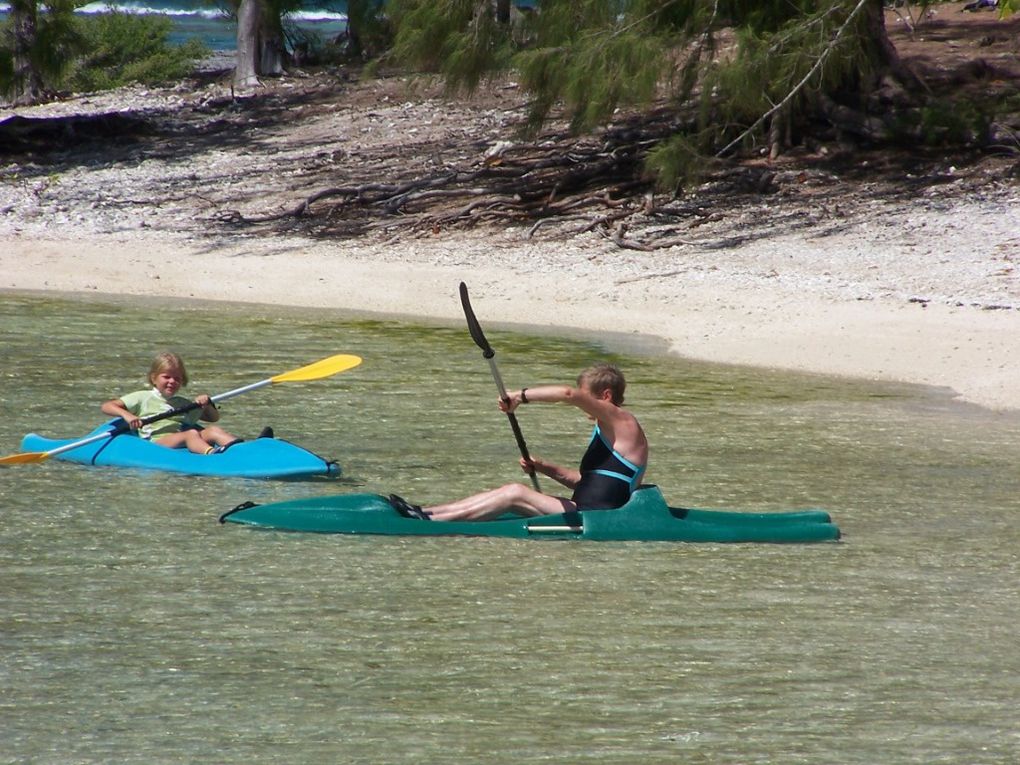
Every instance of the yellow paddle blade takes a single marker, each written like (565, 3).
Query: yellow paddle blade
(319, 369)
(23, 459)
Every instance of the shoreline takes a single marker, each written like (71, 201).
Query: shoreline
(970, 352)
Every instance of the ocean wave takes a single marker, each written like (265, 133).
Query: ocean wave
(182, 9)
(92, 9)
(313, 15)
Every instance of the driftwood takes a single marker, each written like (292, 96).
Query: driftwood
(557, 182)
(564, 187)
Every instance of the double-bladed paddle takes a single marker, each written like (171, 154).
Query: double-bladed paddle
(315, 371)
(490, 355)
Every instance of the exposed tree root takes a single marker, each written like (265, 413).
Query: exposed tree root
(553, 183)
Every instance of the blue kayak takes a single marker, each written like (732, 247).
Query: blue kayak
(646, 517)
(259, 458)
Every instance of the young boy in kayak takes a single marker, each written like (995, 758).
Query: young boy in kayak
(167, 376)
(610, 470)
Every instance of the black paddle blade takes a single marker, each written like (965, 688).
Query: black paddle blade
(479, 337)
(473, 326)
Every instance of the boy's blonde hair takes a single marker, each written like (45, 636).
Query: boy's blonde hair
(164, 361)
(604, 376)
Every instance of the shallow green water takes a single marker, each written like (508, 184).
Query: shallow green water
(136, 629)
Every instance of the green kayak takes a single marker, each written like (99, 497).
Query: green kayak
(646, 517)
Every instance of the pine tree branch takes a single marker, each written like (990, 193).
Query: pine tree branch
(800, 85)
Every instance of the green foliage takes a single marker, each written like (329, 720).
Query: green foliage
(58, 38)
(594, 57)
(593, 63)
(460, 39)
(52, 52)
(771, 61)
(733, 70)
(369, 31)
(944, 122)
(125, 48)
(676, 162)
(311, 48)
(100, 51)
(765, 16)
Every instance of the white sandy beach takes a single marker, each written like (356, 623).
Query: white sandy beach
(923, 290)
(806, 320)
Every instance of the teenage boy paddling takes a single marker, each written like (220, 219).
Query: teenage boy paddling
(610, 470)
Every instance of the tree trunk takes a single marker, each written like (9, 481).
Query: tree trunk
(365, 37)
(246, 68)
(503, 11)
(357, 12)
(874, 26)
(260, 43)
(27, 83)
(883, 52)
(272, 48)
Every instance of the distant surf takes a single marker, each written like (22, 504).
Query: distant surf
(213, 26)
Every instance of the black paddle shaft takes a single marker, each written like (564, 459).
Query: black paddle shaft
(490, 355)
(191, 406)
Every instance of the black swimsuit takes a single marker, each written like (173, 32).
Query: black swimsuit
(607, 477)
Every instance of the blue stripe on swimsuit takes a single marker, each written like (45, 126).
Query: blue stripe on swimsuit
(607, 477)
